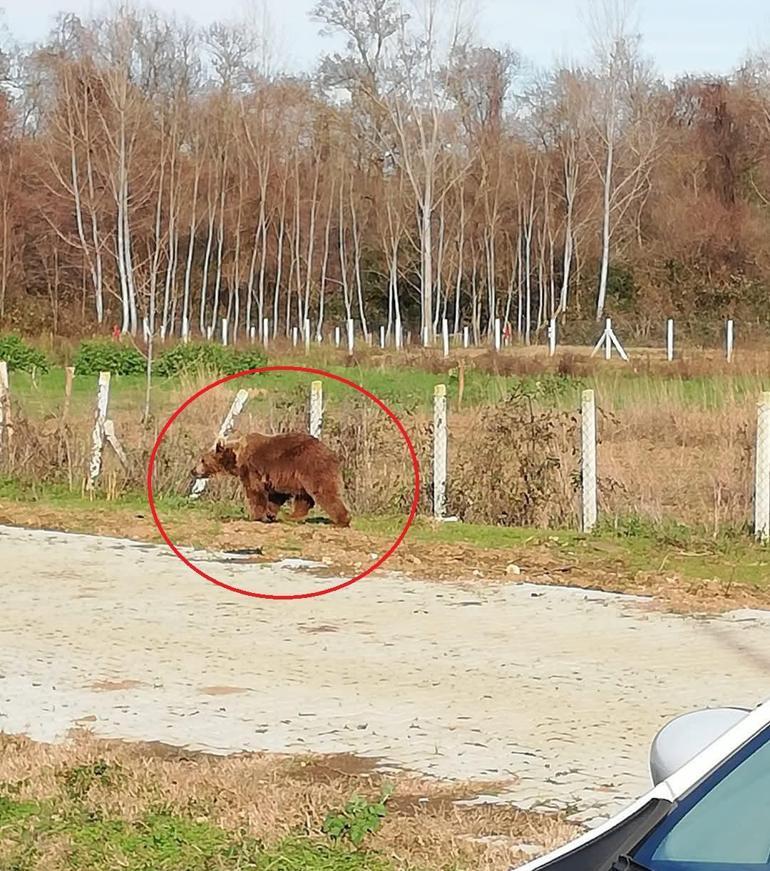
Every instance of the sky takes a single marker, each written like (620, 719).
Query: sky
(698, 36)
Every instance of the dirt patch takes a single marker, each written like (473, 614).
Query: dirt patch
(113, 686)
(223, 691)
(348, 552)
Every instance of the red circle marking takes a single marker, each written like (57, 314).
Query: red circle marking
(401, 428)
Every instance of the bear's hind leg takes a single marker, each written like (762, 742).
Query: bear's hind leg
(329, 499)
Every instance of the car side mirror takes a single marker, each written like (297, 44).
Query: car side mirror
(686, 736)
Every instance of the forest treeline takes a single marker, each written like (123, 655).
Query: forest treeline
(154, 173)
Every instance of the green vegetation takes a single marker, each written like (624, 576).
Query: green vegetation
(102, 355)
(207, 358)
(71, 835)
(20, 356)
(357, 819)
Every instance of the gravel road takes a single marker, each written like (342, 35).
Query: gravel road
(555, 691)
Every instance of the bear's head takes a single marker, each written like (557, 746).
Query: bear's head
(220, 461)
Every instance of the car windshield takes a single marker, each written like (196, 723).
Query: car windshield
(723, 824)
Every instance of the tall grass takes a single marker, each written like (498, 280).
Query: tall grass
(676, 442)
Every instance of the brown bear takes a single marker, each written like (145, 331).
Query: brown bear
(274, 469)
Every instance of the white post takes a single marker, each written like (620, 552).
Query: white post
(351, 335)
(5, 405)
(253, 334)
(762, 471)
(670, 340)
(146, 330)
(209, 333)
(552, 337)
(265, 331)
(316, 409)
(730, 340)
(294, 336)
(608, 339)
(382, 336)
(445, 336)
(588, 432)
(497, 334)
(98, 435)
(439, 451)
(224, 331)
(399, 335)
(185, 329)
(336, 337)
(466, 337)
(228, 424)
(307, 335)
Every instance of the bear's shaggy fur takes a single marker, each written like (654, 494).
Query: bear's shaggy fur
(274, 469)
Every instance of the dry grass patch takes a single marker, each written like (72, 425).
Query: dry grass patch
(256, 799)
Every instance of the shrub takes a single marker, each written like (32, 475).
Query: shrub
(100, 355)
(21, 356)
(211, 358)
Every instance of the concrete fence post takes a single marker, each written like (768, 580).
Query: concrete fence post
(588, 460)
(5, 406)
(439, 451)
(224, 331)
(466, 337)
(498, 335)
(294, 336)
(337, 337)
(316, 409)
(351, 335)
(99, 434)
(730, 340)
(670, 340)
(762, 471)
(265, 331)
(306, 330)
(445, 336)
(382, 336)
(228, 424)
(552, 337)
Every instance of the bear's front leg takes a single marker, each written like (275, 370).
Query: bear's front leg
(257, 504)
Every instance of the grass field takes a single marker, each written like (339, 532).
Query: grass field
(675, 454)
(94, 805)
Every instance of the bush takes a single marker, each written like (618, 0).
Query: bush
(21, 356)
(102, 355)
(211, 358)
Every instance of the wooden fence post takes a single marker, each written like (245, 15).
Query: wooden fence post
(588, 457)
(69, 375)
(316, 409)
(228, 424)
(762, 471)
(98, 435)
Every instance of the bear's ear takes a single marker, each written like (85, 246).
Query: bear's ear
(219, 448)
